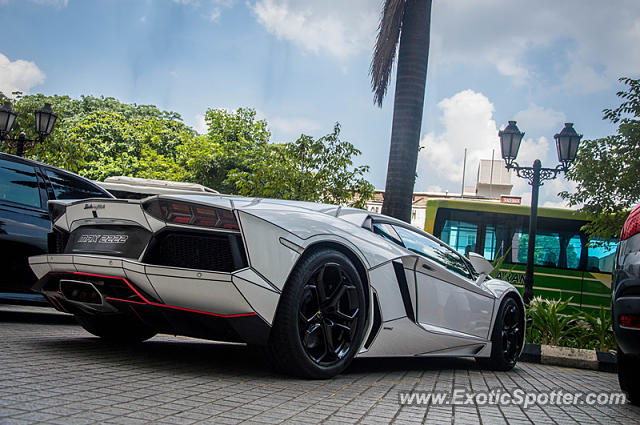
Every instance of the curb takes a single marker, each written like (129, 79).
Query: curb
(569, 357)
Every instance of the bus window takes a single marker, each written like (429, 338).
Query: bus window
(460, 235)
(553, 249)
(490, 243)
(600, 256)
(574, 249)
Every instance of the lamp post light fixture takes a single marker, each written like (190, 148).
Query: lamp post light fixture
(44, 118)
(567, 142)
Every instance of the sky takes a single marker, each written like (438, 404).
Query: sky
(304, 65)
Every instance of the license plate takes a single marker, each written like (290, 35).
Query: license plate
(117, 241)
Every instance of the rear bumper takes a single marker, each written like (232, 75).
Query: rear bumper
(172, 300)
(628, 339)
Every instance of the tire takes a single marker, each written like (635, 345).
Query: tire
(115, 328)
(320, 320)
(507, 337)
(629, 376)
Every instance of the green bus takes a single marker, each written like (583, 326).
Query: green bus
(567, 265)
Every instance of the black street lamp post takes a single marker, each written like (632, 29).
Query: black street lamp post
(567, 142)
(44, 118)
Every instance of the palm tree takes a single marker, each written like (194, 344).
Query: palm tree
(408, 21)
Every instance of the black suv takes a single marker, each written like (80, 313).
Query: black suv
(625, 306)
(25, 188)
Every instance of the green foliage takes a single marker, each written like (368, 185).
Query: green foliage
(546, 319)
(498, 262)
(596, 330)
(549, 322)
(308, 170)
(234, 139)
(606, 170)
(115, 146)
(102, 137)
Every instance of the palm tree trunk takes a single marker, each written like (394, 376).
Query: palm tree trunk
(407, 109)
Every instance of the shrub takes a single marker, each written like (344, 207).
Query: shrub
(548, 322)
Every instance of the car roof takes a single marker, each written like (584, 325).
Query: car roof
(20, 159)
(24, 160)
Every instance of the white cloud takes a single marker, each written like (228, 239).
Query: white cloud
(532, 149)
(539, 120)
(468, 122)
(501, 34)
(504, 33)
(582, 78)
(508, 67)
(214, 7)
(201, 125)
(293, 126)
(19, 75)
(214, 15)
(334, 27)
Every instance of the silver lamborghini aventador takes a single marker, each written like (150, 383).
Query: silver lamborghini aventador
(314, 284)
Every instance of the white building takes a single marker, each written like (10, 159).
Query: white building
(493, 179)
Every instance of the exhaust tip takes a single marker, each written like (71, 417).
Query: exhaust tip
(83, 292)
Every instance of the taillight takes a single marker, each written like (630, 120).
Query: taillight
(631, 225)
(194, 215)
(630, 321)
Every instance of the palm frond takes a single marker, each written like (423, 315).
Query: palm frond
(385, 49)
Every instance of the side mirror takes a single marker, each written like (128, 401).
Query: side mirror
(481, 264)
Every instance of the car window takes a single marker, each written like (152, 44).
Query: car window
(432, 250)
(18, 183)
(66, 186)
(387, 232)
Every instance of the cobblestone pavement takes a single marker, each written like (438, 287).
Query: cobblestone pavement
(57, 373)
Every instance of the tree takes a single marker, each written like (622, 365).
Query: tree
(307, 170)
(64, 147)
(606, 170)
(114, 146)
(408, 21)
(233, 141)
(101, 137)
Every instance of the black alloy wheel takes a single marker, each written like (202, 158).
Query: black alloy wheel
(507, 337)
(321, 317)
(511, 332)
(328, 314)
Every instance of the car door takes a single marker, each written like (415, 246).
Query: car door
(24, 223)
(448, 298)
